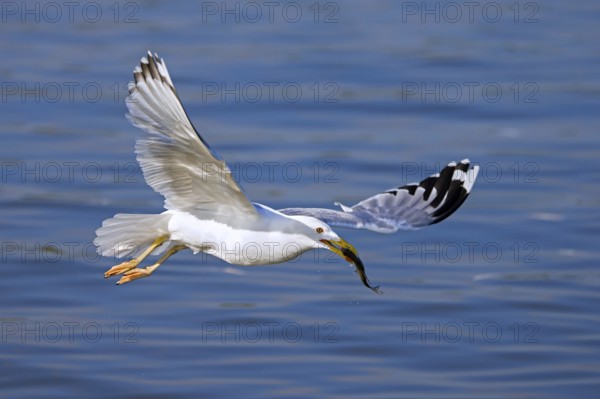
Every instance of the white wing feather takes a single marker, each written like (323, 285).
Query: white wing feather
(175, 159)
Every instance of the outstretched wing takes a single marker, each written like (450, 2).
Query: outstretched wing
(404, 208)
(175, 159)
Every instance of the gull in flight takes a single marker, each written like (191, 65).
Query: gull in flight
(207, 211)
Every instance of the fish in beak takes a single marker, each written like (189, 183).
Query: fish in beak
(345, 250)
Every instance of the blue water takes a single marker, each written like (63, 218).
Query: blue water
(500, 300)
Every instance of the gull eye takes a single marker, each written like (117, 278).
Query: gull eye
(319, 230)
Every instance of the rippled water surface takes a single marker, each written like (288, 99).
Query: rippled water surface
(310, 103)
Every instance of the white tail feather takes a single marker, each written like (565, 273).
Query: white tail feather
(129, 234)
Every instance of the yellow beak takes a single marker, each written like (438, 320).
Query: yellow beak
(347, 251)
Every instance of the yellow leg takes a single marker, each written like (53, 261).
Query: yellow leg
(139, 272)
(132, 264)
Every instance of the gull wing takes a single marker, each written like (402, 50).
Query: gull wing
(175, 159)
(407, 207)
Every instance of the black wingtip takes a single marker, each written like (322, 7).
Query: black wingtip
(452, 191)
(456, 193)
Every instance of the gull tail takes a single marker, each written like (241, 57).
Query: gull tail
(129, 234)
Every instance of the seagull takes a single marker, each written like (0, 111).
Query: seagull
(207, 211)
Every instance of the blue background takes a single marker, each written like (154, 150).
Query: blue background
(500, 300)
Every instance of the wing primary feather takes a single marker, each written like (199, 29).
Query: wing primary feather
(443, 184)
(176, 160)
(407, 207)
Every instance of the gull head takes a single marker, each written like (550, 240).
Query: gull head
(324, 237)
